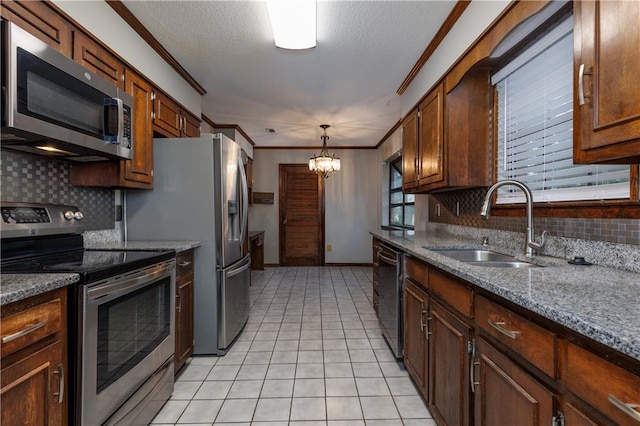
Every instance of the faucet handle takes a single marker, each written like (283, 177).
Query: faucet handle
(540, 245)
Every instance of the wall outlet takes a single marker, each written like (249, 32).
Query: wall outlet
(329, 248)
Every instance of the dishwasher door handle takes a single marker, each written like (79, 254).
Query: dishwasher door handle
(389, 260)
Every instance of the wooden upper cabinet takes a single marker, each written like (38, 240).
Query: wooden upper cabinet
(171, 120)
(96, 58)
(431, 134)
(138, 172)
(39, 19)
(410, 151)
(606, 122)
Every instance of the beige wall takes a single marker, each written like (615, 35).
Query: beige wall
(352, 202)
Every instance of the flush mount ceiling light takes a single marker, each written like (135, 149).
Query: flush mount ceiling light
(293, 23)
(324, 164)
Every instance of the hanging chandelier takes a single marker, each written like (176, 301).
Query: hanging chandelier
(324, 164)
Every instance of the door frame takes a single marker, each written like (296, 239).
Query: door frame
(281, 211)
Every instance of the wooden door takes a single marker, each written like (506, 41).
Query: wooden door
(416, 329)
(449, 387)
(301, 216)
(431, 147)
(140, 169)
(607, 122)
(410, 151)
(507, 395)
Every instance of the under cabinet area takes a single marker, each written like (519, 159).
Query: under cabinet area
(184, 309)
(33, 362)
(480, 360)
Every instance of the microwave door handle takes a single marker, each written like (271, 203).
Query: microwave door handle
(120, 118)
(245, 200)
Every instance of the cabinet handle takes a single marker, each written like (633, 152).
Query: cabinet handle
(185, 263)
(60, 373)
(179, 304)
(500, 327)
(472, 366)
(29, 329)
(423, 324)
(626, 407)
(581, 75)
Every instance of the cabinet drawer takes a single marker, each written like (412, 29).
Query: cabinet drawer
(30, 325)
(451, 291)
(607, 387)
(532, 342)
(184, 263)
(417, 271)
(258, 240)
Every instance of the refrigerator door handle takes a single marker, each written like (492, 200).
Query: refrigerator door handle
(245, 200)
(243, 268)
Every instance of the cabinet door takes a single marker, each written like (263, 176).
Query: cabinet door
(166, 116)
(506, 395)
(431, 147)
(573, 415)
(96, 58)
(190, 125)
(410, 151)
(42, 21)
(32, 389)
(184, 321)
(449, 358)
(416, 329)
(607, 122)
(140, 168)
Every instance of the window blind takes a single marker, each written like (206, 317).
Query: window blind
(535, 128)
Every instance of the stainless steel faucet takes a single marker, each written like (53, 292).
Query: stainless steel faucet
(530, 243)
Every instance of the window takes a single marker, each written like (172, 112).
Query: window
(401, 206)
(535, 128)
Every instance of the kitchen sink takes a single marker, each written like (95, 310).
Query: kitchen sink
(486, 258)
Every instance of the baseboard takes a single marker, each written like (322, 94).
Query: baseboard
(275, 265)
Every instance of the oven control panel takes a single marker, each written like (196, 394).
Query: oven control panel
(25, 215)
(31, 219)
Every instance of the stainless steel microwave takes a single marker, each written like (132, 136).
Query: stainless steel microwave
(54, 106)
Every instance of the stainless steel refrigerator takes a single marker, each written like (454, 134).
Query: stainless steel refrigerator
(200, 193)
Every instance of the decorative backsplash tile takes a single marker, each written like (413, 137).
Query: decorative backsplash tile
(463, 208)
(34, 179)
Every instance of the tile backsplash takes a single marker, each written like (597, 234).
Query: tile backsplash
(36, 179)
(463, 208)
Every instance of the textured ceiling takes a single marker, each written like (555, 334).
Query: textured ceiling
(365, 50)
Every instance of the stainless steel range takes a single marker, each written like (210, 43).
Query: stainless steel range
(121, 313)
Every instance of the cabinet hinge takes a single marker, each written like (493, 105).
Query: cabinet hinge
(153, 115)
(419, 114)
(471, 346)
(151, 173)
(153, 95)
(558, 420)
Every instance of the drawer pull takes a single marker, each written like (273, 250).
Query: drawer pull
(183, 264)
(24, 332)
(500, 327)
(60, 373)
(627, 408)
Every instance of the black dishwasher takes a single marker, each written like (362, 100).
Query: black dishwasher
(388, 262)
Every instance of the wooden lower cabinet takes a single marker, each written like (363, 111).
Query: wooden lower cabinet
(416, 329)
(505, 394)
(574, 415)
(184, 309)
(449, 358)
(33, 363)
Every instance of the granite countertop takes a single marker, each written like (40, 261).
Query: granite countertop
(599, 302)
(16, 287)
(176, 246)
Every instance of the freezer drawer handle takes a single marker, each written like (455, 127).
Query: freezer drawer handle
(237, 271)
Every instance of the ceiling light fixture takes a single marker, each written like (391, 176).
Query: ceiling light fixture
(324, 164)
(293, 23)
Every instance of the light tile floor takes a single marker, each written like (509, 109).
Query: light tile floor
(311, 354)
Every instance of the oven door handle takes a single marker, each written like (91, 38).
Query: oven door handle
(106, 292)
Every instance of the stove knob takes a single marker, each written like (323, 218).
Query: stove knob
(68, 215)
(78, 216)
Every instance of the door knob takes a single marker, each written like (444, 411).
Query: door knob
(284, 222)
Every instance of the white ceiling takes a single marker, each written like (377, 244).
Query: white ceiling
(364, 52)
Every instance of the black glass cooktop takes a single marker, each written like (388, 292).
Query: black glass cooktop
(90, 264)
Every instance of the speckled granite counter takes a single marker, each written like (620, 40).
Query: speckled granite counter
(176, 246)
(16, 287)
(598, 302)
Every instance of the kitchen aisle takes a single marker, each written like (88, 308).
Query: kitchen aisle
(311, 354)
